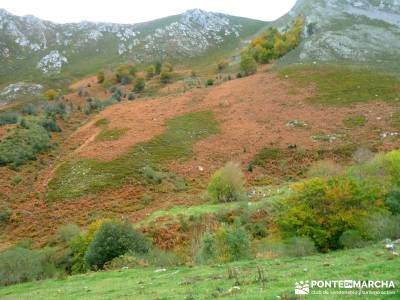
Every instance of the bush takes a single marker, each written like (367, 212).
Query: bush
(79, 246)
(23, 145)
(299, 246)
(162, 259)
(248, 65)
(125, 74)
(226, 185)
(323, 169)
(65, 234)
(50, 94)
(165, 77)
(5, 215)
(158, 66)
(100, 76)
(50, 125)
(380, 226)
(209, 82)
(21, 265)
(392, 201)
(139, 85)
(167, 67)
(351, 239)
(29, 109)
(323, 209)
(222, 65)
(131, 96)
(8, 117)
(52, 110)
(150, 71)
(112, 240)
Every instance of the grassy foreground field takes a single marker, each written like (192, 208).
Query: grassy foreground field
(208, 282)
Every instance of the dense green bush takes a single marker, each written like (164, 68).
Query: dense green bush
(226, 185)
(65, 234)
(112, 240)
(351, 239)
(392, 201)
(8, 117)
(139, 85)
(55, 109)
(22, 265)
(248, 64)
(210, 82)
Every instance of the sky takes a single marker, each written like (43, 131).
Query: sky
(134, 11)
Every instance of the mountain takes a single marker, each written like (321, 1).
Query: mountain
(347, 31)
(33, 49)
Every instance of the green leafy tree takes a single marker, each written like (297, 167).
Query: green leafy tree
(150, 71)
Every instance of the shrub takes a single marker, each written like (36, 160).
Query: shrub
(50, 125)
(351, 239)
(222, 65)
(21, 265)
(8, 117)
(29, 109)
(50, 94)
(166, 67)
(323, 209)
(55, 109)
(112, 240)
(158, 66)
(379, 226)
(79, 246)
(248, 65)
(392, 201)
(165, 77)
(299, 246)
(323, 168)
(65, 234)
(100, 76)
(150, 71)
(5, 215)
(232, 243)
(226, 185)
(139, 85)
(209, 82)
(208, 251)
(125, 73)
(162, 259)
(131, 96)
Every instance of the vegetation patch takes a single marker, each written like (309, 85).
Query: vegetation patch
(110, 134)
(101, 122)
(77, 178)
(293, 163)
(355, 121)
(340, 85)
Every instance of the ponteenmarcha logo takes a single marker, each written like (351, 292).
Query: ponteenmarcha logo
(349, 287)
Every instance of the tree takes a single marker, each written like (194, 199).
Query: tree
(114, 239)
(100, 76)
(248, 64)
(226, 185)
(158, 66)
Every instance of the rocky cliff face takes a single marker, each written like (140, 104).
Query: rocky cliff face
(345, 30)
(48, 48)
